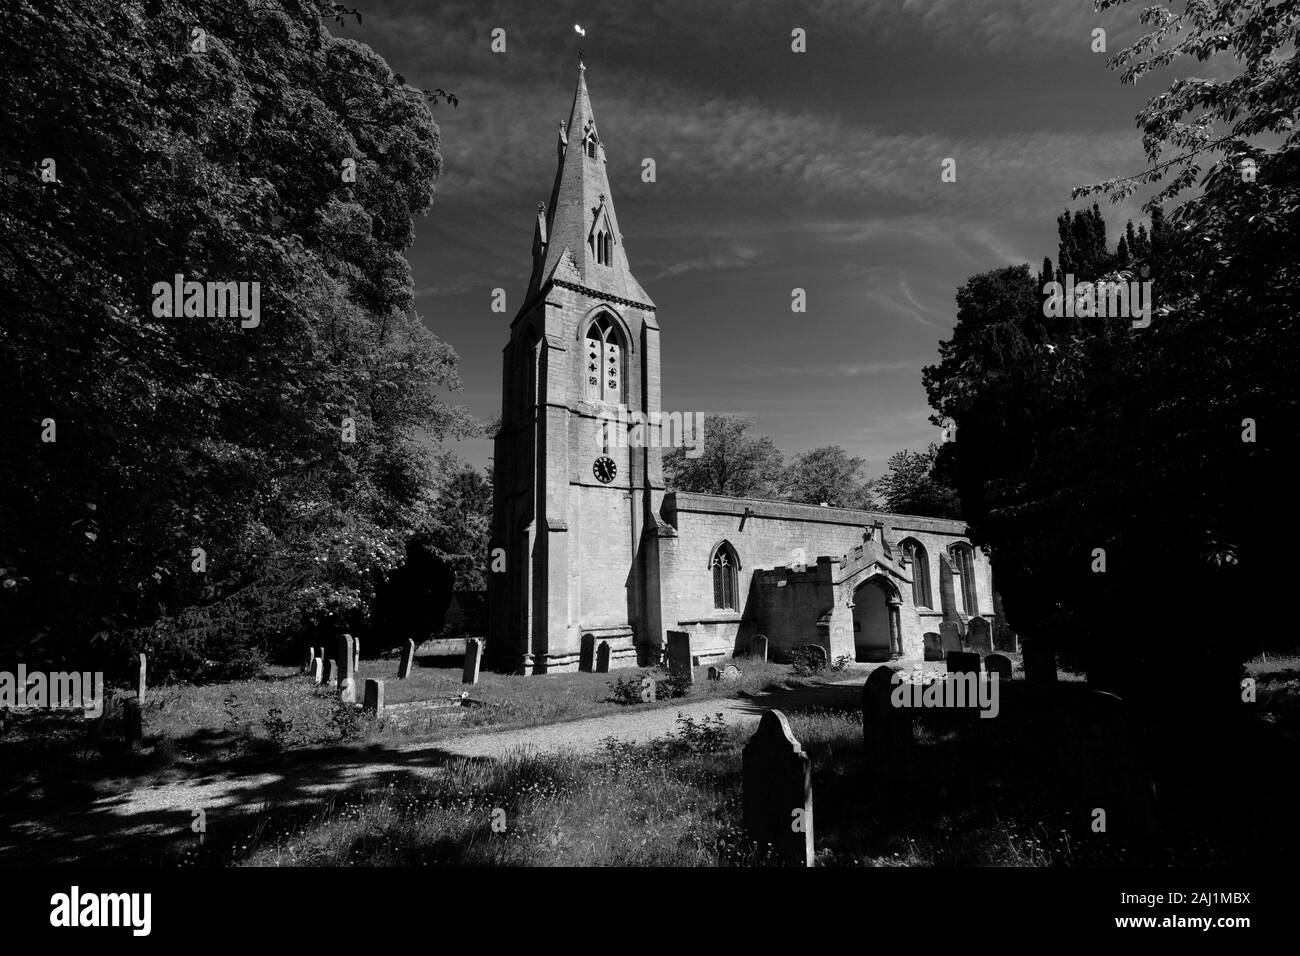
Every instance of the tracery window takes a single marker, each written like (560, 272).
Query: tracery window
(603, 359)
(725, 566)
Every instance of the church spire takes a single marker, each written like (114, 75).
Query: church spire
(581, 242)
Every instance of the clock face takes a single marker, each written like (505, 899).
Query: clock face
(604, 469)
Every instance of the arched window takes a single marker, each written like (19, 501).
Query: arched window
(963, 559)
(725, 566)
(916, 556)
(603, 369)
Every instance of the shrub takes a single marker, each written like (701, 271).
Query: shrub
(841, 662)
(669, 685)
(705, 736)
(627, 690)
(347, 721)
(807, 663)
(277, 726)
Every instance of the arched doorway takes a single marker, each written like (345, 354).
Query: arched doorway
(874, 625)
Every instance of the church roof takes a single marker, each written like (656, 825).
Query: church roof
(580, 211)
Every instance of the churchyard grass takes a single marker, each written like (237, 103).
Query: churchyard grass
(979, 796)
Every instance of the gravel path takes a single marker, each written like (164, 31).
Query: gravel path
(129, 818)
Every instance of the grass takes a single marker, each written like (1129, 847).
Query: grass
(1012, 791)
(194, 729)
(1007, 792)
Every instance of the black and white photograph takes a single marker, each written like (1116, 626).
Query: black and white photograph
(702, 440)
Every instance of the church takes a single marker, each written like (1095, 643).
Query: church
(601, 559)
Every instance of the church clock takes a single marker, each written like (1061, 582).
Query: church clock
(604, 469)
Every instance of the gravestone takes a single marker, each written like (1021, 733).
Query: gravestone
(1039, 660)
(317, 670)
(374, 699)
(473, 658)
(319, 652)
(758, 647)
(133, 719)
(602, 657)
(714, 673)
(407, 662)
(933, 646)
(999, 664)
(1004, 639)
(816, 654)
(730, 674)
(647, 690)
(1107, 749)
(347, 670)
(139, 680)
(679, 655)
(886, 729)
(981, 635)
(960, 662)
(327, 671)
(949, 636)
(308, 656)
(777, 791)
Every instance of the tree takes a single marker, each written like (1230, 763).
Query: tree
(459, 527)
(910, 486)
(732, 462)
(1103, 466)
(827, 475)
(213, 141)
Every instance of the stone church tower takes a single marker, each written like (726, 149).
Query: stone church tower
(572, 502)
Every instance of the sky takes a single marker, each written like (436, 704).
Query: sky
(775, 170)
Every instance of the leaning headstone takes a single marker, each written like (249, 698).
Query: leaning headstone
(327, 671)
(758, 647)
(408, 661)
(134, 722)
(602, 657)
(317, 671)
(347, 670)
(679, 655)
(714, 673)
(374, 699)
(319, 652)
(933, 646)
(777, 791)
(950, 636)
(647, 690)
(886, 729)
(730, 674)
(999, 664)
(473, 658)
(356, 655)
(960, 662)
(139, 680)
(981, 635)
(308, 656)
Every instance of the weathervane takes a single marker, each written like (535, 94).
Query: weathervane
(581, 50)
